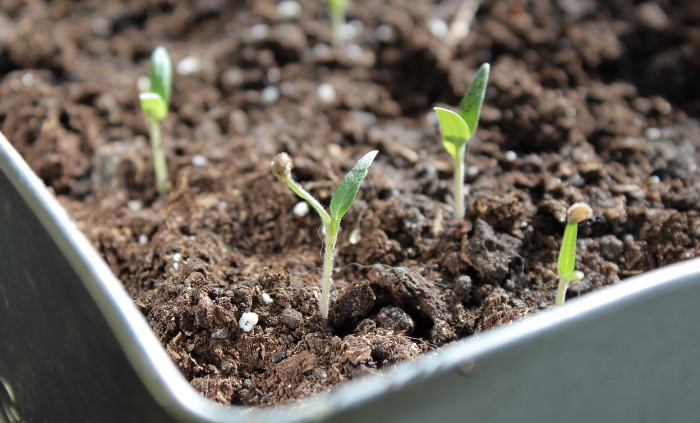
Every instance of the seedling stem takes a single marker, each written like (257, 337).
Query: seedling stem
(566, 263)
(160, 167)
(154, 104)
(459, 127)
(341, 201)
(459, 184)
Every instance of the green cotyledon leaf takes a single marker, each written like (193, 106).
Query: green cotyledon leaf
(345, 194)
(153, 106)
(567, 254)
(455, 131)
(161, 74)
(473, 100)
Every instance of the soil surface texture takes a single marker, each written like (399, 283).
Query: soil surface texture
(593, 101)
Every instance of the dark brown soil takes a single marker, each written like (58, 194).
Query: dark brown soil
(588, 101)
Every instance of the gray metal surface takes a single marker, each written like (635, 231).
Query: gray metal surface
(73, 347)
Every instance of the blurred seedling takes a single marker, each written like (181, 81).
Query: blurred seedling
(341, 201)
(458, 128)
(336, 10)
(154, 104)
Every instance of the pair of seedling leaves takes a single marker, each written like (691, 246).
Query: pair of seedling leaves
(155, 101)
(343, 196)
(458, 127)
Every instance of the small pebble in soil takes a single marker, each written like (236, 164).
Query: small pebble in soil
(355, 236)
(143, 239)
(438, 28)
(219, 333)
(100, 27)
(291, 318)
(354, 52)
(188, 66)
(199, 161)
(301, 209)
(652, 15)
(266, 298)
(274, 75)
(652, 134)
(472, 171)
(259, 32)
(247, 321)
(27, 79)
(269, 95)
(350, 30)
(177, 257)
(321, 52)
(395, 320)
(463, 287)
(135, 205)
(233, 77)
(325, 93)
(610, 247)
(288, 89)
(577, 180)
(226, 367)
(384, 33)
(288, 10)
(511, 155)
(661, 105)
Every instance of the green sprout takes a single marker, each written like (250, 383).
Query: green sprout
(154, 104)
(566, 264)
(341, 201)
(336, 10)
(459, 127)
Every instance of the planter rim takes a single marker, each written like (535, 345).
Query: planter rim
(169, 387)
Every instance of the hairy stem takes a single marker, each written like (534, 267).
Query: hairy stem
(159, 165)
(325, 301)
(301, 192)
(561, 291)
(459, 184)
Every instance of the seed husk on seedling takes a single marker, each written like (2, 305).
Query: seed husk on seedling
(566, 264)
(154, 104)
(336, 10)
(341, 201)
(458, 128)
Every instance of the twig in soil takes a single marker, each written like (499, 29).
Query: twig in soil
(462, 22)
(341, 200)
(566, 264)
(459, 127)
(154, 104)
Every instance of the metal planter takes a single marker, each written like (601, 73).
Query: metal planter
(73, 347)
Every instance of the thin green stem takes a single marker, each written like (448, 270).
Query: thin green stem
(159, 164)
(561, 291)
(324, 302)
(564, 284)
(337, 21)
(459, 184)
(301, 192)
